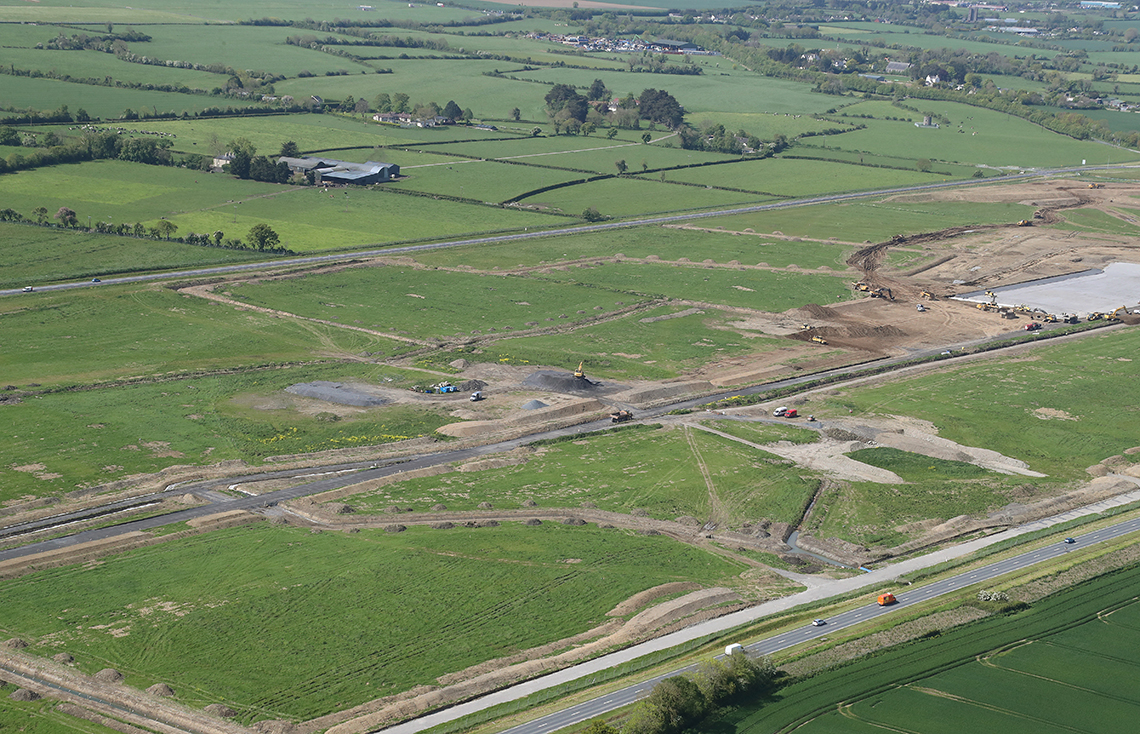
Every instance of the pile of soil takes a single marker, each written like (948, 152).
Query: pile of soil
(109, 675)
(15, 643)
(23, 694)
(220, 710)
(160, 689)
(64, 658)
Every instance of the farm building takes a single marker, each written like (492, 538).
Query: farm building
(342, 172)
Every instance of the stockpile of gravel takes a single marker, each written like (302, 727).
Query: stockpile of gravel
(335, 392)
(565, 382)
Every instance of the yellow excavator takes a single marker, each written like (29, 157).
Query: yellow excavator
(578, 372)
(819, 340)
(928, 295)
(1112, 316)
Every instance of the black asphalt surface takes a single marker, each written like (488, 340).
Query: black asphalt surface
(337, 257)
(601, 706)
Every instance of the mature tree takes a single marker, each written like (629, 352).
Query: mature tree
(165, 228)
(592, 215)
(145, 150)
(452, 110)
(66, 217)
(240, 165)
(597, 726)
(218, 236)
(515, 114)
(399, 102)
(383, 102)
(587, 128)
(51, 139)
(563, 103)
(923, 164)
(621, 166)
(425, 110)
(289, 149)
(41, 214)
(611, 133)
(349, 104)
(646, 137)
(9, 136)
(362, 107)
(660, 107)
(82, 116)
(262, 237)
(597, 91)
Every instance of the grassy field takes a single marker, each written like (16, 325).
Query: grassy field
(800, 178)
(105, 102)
(631, 196)
(306, 218)
(41, 717)
(63, 441)
(872, 220)
(98, 65)
(291, 625)
(987, 676)
(1054, 416)
(431, 303)
(658, 471)
(764, 433)
(631, 348)
(662, 242)
(34, 255)
(762, 290)
(480, 180)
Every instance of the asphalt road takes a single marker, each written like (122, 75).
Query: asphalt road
(601, 706)
(337, 257)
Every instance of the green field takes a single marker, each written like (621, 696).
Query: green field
(306, 218)
(431, 303)
(63, 441)
(872, 220)
(631, 196)
(1043, 669)
(1070, 377)
(105, 102)
(665, 480)
(35, 255)
(632, 348)
(288, 624)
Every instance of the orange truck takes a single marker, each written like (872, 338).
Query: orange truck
(887, 599)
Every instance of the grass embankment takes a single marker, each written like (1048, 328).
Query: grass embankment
(288, 624)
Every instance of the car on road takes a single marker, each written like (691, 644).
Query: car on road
(1069, 541)
(96, 280)
(945, 352)
(28, 289)
(818, 623)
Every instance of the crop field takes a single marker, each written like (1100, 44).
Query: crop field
(1043, 669)
(631, 349)
(1044, 398)
(630, 196)
(657, 470)
(872, 220)
(63, 441)
(431, 303)
(108, 102)
(800, 178)
(34, 255)
(352, 617)
(762, 290)
(666, 243)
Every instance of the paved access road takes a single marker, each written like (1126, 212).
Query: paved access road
(602, 706)
(337, 257)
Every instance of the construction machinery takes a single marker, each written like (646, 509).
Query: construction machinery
(1049, 319)
(987, 307)
(621, 416)
(861, 286)
(1007, 313)
(1071, 318)
(578, 373)
(1025, 223)
(884, 293)
(1113, 316)
(992, 297)
(819, 340)
(927, 295)
(1096, 186)
(1095, 316)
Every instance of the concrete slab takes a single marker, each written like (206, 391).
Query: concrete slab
(1078, 293)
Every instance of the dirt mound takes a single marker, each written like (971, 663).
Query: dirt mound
(64, 658)
(459, 364)
(688, 520)
(339, 508)
(15, 643)
(471, 385)
(533, 521)
(529, 503)
(487, 524)
(438, 508)
(817, 311)
(274, 726)
(442, 525)
(573, 521)
(160, 689)
(220, 710)
(394, 528)
(486, 506)
(23, 694)
(534, 405)
(109, 675)
(566, 382)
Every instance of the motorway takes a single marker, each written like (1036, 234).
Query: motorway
(603, 705)
(356, 254)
